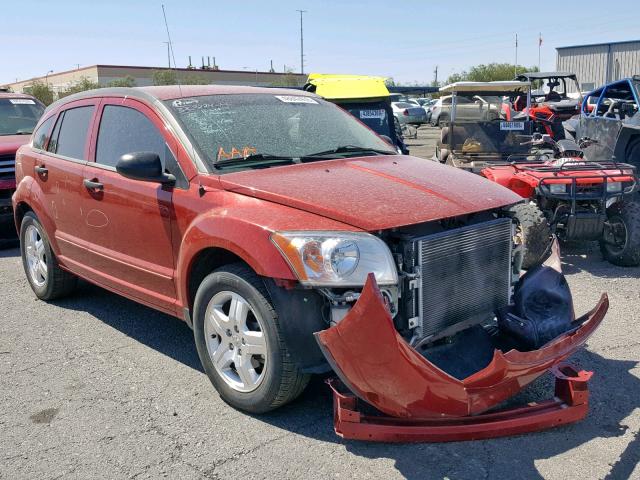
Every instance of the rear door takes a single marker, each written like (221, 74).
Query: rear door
(128, 222)
(58, 172)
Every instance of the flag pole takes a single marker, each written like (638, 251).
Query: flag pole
(539, 48)
(515, 67)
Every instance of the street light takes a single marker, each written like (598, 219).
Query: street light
(46, 77)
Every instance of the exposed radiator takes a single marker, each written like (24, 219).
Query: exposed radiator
(465, 275)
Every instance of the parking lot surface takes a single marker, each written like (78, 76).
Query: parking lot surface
(97, 386)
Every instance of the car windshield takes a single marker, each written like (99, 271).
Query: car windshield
(372, 114)
(405, 105)
(237, 126)
(19, 116)
(480, 128)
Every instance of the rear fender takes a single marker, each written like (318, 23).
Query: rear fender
(29, 192)
(381, 368)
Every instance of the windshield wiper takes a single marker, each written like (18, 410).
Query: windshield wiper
(256, 159)
(350, 149)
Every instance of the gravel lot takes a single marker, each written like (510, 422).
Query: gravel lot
(96, 386)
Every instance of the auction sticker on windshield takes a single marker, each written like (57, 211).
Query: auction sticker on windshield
(511, 125)
(22, 101)
(379, 113)
(295, 99)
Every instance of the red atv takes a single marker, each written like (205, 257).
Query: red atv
(580, 199)
(550, 103)
(568, 195)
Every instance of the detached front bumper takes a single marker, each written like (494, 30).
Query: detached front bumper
(375, 363)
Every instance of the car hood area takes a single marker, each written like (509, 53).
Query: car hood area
(11, 143)
(373, 193)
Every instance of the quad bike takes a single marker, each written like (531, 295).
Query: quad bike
(580, 199)
(568, 195)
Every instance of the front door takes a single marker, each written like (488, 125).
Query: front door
(128, 222)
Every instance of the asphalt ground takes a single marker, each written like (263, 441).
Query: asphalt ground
(97, 386)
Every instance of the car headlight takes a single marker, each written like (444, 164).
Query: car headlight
(614, 187)
(558, 188)
(336, 259)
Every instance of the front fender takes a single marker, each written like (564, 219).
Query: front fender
(237, 234)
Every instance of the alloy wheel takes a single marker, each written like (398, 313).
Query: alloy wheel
(36, 255)
(235, 340)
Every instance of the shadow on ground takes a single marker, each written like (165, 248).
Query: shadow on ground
(614, 397)
(586, 256)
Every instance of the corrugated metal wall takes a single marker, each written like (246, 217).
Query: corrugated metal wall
(599, 64)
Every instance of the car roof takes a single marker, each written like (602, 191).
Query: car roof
(539, 75)
(15, 95)
(487, 87)
(171, 92)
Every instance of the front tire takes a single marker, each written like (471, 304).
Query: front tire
(535, 232)
(48, 281)
(240, 344)
(623, 245)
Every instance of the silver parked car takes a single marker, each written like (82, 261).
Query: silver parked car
(409, 113)
(469, 108)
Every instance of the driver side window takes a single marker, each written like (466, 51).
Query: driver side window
(126, 130)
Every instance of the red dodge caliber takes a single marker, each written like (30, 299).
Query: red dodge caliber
(294, 240)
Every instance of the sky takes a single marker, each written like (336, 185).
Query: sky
(404, 40)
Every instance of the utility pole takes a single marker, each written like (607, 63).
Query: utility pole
(435, 73)
(301, 42)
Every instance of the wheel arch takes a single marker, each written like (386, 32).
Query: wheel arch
(213, 241)
(629, 136)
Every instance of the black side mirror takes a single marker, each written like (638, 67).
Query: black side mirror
(145, 166)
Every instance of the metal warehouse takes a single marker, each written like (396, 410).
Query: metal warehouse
(600, 63)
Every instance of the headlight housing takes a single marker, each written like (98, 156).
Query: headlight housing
(614, 187)
(558, 188)
(336, 259)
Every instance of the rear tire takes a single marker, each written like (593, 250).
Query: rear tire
(48, 281)
(273, 378)
(625, 216)
(535, 231)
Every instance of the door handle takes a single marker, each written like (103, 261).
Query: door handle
(93, 185)
(41, 170)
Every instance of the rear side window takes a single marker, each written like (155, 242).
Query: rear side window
(41, 135)
(126, 130)
(70, 134)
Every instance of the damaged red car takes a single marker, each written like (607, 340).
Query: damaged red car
(296, 241)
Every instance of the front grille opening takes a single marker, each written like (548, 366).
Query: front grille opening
(465, 276)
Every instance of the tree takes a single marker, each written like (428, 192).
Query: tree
(490, 72)
(80, 86)
(41, 91)
(164, 77)
(289, 79)
(127, 81)
(194, 79)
